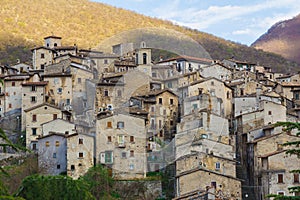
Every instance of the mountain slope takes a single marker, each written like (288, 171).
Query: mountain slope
(24, 23)
(282, 38)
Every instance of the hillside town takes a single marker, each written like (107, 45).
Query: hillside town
(211, 124)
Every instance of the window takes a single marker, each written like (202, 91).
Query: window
(144, 58)
(280, 178)
(119, 93)
(270, 113)
(57, 143)
(296, 178)
(33, 88)
(66, 132)
(108, 138)
(152, 108)
(33, 99)
(33, 131)
(218, 166)
(164, 112)
(108, 157)
(131, 153)
(123, 154)
(57, 166)
(204, 136)
(159, 124)
(10, 105)
(73, 167)
(131, 166)
(121, 140)
(13, 83)
(213, 92)
(47, 143)
(54, 155)
(280, 193)
(80, 155)
(242, 91)
(80, 141)
(79, 80)
(34, 146)
(105, 61)
(42, 66)
(34, 118)
(54, 116)
(109, 125)
(131, 138)
(160, 100)
(106, 93)
(212, 83)
(171, 101)
(42, 55)
(228, 95)
(59, 90)
(171, 123)
(120, 125)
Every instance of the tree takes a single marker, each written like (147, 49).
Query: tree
(294, 150)
(99, 181)
(37, 187)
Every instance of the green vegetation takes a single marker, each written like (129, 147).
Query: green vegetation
(37, 187)
(25, 25)
(99, 182)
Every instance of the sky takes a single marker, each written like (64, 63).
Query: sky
(241, 21)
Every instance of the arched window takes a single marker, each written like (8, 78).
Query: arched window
(55, 44)
(144, 58)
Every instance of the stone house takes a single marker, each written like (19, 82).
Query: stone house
(262, 153)
(33, 94)
(62, 153)
(218, 71)
(44, 55)
(59, 125)
(12, 90)
(121, 144)
(22, 67)
(215, 88)
(113, 91)
(239, 65)
(80, 154)
(35, 117)
(52, 150)
(186, 64)
(276, 177)
(200, 171)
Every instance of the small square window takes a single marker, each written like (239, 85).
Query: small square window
(131, 153)
(120, 125)
(33, 99)
(108, 138)
(58, 166)
(54, 116)
(34, 118)
(47, 143)
(131, 138)
(42, 55)
(109, 125)
(33, 88)
(106, 93)
(160, 100)
(57, 143)
(80, 155)
(79, 80)
(54, 155)
(13, 83)
(33, 130)
(72, 167)
(80, 141)
(270, 113)
(171, 101)
(123, 154)
(280, 178)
